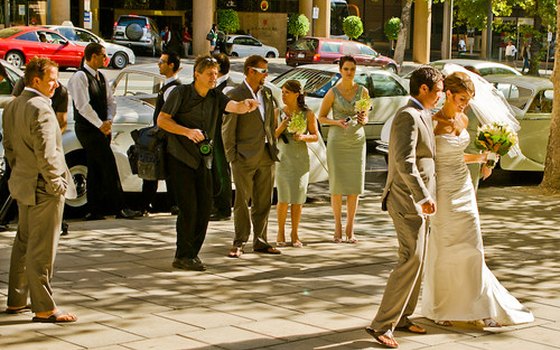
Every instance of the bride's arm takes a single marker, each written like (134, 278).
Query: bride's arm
(475, 158)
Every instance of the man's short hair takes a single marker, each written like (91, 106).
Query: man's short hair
(37, 67)
(427, 75)
(204, 62)
(93, 48)
(172, 57)
(253, 61)
(223, 61)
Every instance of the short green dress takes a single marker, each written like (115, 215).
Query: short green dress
(346, 149)
(292, 172)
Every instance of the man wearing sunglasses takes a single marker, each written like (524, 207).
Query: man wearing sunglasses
(251, 149)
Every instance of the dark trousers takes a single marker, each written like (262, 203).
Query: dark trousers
(193, 194)
(221, 179)
(104, 189)
(149, 191)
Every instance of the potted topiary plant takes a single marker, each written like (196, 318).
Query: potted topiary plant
(392, 29)
(298, 25)
(353, 27)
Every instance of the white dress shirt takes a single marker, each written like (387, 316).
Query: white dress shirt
(168, 91)
(258, 97)
(79, 90)
(38, 93)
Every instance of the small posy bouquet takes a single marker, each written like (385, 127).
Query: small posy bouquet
(497, 138)
(297, 124)
(362, 105)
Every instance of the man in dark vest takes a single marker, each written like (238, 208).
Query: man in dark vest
(168, 66)
(221, 172)
(94, 109)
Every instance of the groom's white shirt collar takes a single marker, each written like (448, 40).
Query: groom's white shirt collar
(417, 102)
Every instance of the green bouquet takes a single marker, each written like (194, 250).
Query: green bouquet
(496, 138)
(297, 124)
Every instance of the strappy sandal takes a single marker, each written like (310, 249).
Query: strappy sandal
(488, 322)
(385, 338)
(444, 323)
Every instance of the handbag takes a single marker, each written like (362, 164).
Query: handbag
(147, 155)
(210, 36)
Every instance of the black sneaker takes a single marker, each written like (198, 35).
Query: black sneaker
(128, 214)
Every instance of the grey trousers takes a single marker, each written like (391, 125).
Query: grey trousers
(34, 251)
(254, 181)
(403, 287)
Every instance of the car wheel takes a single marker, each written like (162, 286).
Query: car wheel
(120, 60)
(270, 55)
(234, 54)
(77, 165)
(134, 32)
(15, 58)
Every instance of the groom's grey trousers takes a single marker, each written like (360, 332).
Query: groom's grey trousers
(406, 276)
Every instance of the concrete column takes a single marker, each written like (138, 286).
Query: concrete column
(306, 8)
(203, 17)
(446, 42)
(422, 31)
(59, 11)
(323, 24)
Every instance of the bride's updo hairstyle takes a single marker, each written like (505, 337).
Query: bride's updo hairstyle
(458, 82)
(295, 86)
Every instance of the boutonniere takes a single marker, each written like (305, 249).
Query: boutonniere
(267, 94)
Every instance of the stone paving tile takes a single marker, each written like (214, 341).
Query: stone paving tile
(89, 334)
(329, 320)
(38, 342)
(172, 342)
(359, 339)
(282, 328)
(125, 306)
(306, 344)
(111, 347)
(341, 296)
(539, 335)
(149, 326)
(254, 310)
(505, 341)
(204, 318)
(299, 302)
(232, 338)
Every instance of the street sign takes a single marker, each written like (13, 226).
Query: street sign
(549, 37)
(87, 20)
(315, 13)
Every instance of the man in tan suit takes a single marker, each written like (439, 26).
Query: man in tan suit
(39, 181)
(409, 197)
(250, 147)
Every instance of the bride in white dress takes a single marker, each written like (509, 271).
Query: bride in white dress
(458, 286)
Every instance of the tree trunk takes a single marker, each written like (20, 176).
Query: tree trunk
(403, 34)
(551, 179)
(536, 44)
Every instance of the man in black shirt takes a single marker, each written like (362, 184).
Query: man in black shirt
(189, 116)
(168, 66)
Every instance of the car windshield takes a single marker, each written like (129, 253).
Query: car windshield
(315, 82)
(516, 95)
(306, 44)
(124, 21)
(8, 32)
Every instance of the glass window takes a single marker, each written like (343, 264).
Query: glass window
(29, 36)
(315, 83)
(69, 33)
(516, 96)
(55, 38)
(306, 44)
(350, 49)
(542, 102)
(131, 84)
(330, 47)
(366, 50)
(86, 37)
(252, 42)
(385, 85)
(124, 21)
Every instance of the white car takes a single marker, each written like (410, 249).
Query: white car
(119, 55)
(246, 45)
(386, 89)
(484, 67)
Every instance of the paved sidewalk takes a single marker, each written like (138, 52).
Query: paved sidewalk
(116, 276)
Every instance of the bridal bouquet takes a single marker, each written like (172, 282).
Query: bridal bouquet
(497, 138)
(362, 105)
(297, 124)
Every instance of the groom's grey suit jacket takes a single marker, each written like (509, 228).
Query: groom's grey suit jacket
(411, 175)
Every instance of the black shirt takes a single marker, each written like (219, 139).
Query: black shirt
(193, 111)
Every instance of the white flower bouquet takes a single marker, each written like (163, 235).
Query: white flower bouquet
(297, 124)
(496, 138)
(362, 105)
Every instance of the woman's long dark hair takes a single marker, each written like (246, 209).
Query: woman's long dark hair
(295, 86)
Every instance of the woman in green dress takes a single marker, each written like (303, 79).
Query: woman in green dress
(296, 127)
(346, 146)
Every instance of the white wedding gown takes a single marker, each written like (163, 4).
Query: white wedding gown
(458, 286)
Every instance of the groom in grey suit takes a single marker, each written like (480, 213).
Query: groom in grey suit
(39, 181)
(409, 197)
(250, 147)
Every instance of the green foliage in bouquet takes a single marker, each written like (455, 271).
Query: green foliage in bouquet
(298, 124)
(362, 105)
(496, 137)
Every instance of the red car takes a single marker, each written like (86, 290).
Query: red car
(322, 50)
(18, 45)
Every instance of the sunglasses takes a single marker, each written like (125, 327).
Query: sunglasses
(205, 61)
(260, 70)
(162, 62)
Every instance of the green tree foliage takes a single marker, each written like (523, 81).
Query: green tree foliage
(392, 28)
(228, 21)
(298, 25)
(353, 27)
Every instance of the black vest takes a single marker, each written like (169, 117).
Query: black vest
(97, 99)
(160, 101)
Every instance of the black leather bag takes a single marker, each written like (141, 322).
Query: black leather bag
(147, 155)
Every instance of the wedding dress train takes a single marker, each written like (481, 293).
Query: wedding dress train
(458, 286)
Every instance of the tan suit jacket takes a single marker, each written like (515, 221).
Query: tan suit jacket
(244, 135)
(33, 147)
